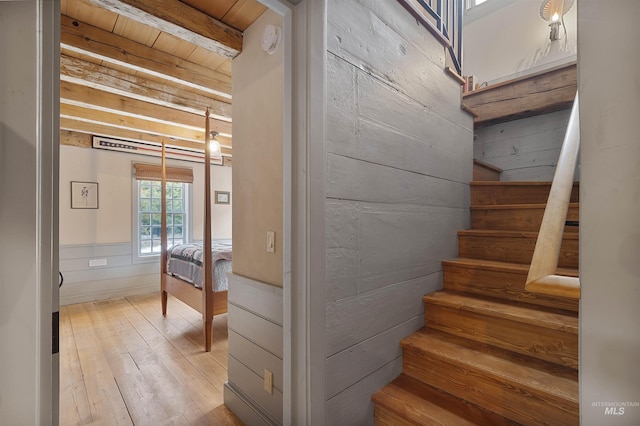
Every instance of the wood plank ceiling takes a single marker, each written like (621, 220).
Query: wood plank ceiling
(145, 70)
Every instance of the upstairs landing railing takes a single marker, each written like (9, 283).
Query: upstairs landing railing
(542, 276)
(443, 18)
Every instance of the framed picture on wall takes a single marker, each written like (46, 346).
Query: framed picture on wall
(84, 195)
(223, 197)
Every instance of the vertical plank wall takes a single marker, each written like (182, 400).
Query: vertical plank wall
(526, 149)
(399, 159)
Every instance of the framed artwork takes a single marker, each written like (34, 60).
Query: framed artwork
(223, 197)
(84, 195)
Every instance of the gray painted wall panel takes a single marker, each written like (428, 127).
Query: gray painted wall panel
(256, 358)
(239, 406)
(353, 179)
(341, 108)
(261, 299)
(355, 319)
(252, 385)
(399, 159)
(255, 344)
(382, 104)
(395, 60)
(404, 242)
(257, 329)
(120, 277)
(382, 145)
(526, 149)
(353, 406)
(365, 358)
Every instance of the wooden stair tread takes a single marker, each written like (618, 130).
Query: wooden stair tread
(567, 322)
(510, 234)
(515, 206)
(485, 192)
(421, 404)
(511, 183)
(494, 265)
(521, 374)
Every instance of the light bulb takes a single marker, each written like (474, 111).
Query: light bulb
(214, 147)
(555, 17)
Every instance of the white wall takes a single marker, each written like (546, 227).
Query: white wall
(513, 41)
(609, 206)
(257, 151)
(106, 233)
(111, 222)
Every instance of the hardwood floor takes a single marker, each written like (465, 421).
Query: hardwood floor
(123, 363)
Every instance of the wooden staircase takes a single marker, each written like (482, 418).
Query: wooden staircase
(490, 352)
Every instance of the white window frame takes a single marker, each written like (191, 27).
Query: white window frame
(137, 257)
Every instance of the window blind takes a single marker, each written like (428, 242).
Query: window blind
(144, 171)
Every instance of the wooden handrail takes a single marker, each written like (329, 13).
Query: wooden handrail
(542, 276)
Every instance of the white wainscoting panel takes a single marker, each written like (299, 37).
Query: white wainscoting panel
(255, 344)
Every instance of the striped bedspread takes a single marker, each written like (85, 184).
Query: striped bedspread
(185, 262)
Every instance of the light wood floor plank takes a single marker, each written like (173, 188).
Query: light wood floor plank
(122, 363)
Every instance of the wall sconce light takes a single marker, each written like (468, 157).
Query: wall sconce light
(214, 145)
(553, 11)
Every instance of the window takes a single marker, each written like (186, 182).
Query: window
(473, 3)
(149, 215)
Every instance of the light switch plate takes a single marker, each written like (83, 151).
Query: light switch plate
(271, 242)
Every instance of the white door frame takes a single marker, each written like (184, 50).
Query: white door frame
(29, 127)
(303, 198)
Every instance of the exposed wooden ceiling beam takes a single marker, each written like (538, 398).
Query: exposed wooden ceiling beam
(182, 21)
(70, 126)
(116, 120)
(96, 43)
(75, 94)
(110, 80)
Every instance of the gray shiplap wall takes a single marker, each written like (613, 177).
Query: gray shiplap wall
(255, 344)
(399, 159)
(118, 278)
(526, 149)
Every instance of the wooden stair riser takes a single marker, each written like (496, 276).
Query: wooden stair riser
(556, 346)
(513, 247)
(483, 193)
(499, 284)
(515, 218)
(407, 401)
(484, 388)
(485, 172)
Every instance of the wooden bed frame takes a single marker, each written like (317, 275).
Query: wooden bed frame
(204, 300)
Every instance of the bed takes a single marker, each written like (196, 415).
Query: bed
(184, 278)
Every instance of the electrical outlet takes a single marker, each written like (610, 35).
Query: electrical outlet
(268, 381)
(271, 242)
